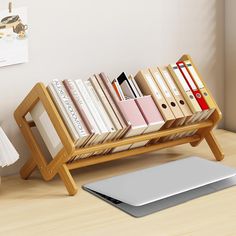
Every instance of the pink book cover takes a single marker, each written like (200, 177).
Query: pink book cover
(132, 113)
(149, 110)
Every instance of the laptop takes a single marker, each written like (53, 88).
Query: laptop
(153, 189)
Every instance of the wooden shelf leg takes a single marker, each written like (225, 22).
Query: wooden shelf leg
(28, 168)
(214, 146)
(68, 180)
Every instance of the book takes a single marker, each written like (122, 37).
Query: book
(80, 105)
(118, 90)
(102, 111)
(118, 120)
(77, 123)
(125, 84)
(113, 99)
(100, 107)
(130, 113)
(136, 87)
(103, 131)
(146, 105)
(83, 110)
(106, 104)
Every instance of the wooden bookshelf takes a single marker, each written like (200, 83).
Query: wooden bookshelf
(62, 163)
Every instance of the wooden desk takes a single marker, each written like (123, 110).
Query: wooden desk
(34, 207)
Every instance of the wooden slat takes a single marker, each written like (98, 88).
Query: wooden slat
(214, 146)
(28, 168)
(143, 137)
(68, 180)
(132, 152)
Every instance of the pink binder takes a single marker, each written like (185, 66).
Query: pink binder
(132, 113)
(150, 113)
(135, 119)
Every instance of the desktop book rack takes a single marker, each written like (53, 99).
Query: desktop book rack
(61, 164)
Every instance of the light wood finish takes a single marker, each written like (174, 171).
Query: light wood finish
(28, 168)
(35, 207)
(68, 180)
(136, 151)
(62, 163)
(214, 145)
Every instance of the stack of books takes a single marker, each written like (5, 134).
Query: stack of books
(98, 110)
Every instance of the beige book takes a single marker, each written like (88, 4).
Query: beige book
(112, 98)
(107, 105)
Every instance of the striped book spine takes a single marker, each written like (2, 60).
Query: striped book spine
(71, 110)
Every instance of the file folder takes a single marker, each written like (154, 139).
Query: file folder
(148, 86)
(186, 92)
(187, 76)
(146, 105)
(128, 110)
(181, 102)
(179, 116)
(175, 92)
(210, 102)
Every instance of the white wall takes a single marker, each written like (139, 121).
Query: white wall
(74, 39)
(230, 65)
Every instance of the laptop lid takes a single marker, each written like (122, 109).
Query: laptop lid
(159, 182)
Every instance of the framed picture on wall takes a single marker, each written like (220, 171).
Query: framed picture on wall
(13, 36)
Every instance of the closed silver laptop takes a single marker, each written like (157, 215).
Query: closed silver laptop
(153, 189)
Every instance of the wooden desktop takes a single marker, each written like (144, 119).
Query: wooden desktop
(35, 207)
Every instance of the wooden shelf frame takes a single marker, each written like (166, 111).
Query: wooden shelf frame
(61, 164)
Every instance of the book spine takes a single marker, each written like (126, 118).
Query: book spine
(91, 106)
(101, 109)
(80, 105)
(63, 113)
(71, 111)
(107, 106)
(115, 98)
(136, 86)
(120, 90)
(116, 89)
